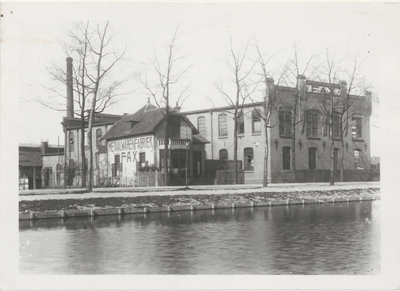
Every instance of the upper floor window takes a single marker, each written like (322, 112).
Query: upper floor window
(174, 127)
(312, 158)
(223, 155)
(285, 122)
(201, 125)
(357, 159)
(286, 158)
(336, 125)
(99, 133)
(248, 159)
(312, 123)
(71, 142)
(222, 125)
(256, 121)
(240, 124)
(356, 127)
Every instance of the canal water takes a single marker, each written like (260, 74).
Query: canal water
(340, 238)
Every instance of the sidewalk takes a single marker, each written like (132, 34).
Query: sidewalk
(46, 194)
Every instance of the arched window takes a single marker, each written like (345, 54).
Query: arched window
(356, 126)
(312, 158)
(285, 122)
(312, 123)
(357, 159)
(256, 121)
(223, 155)
(222, 125)
(201, 125)
(71, 142)
(248, 159)
(286, 158)
(99, 133)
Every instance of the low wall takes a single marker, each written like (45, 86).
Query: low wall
(144, 210)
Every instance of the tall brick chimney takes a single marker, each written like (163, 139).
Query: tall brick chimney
(70, 93)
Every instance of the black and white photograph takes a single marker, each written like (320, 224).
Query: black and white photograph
(200, 145)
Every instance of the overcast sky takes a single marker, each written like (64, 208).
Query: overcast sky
(34, 29)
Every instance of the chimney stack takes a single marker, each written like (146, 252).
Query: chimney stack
(44, 146)
(70, 93)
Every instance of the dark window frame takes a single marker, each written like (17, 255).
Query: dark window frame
(312, 123)
(255, 119)
(223, 125)
(201, 125)
(356, 127)
(98, 136)
(336, 122)
(223, 155)
(285, 122)
(240, 124)
(358, 159)
(248, 157)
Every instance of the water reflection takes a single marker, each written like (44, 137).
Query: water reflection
(342, 238)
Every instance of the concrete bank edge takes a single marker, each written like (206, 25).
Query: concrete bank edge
(33, 215)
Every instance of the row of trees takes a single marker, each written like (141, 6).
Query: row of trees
(95, 59)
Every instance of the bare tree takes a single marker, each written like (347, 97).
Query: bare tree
(242, 89)
(94, 56)
(332, 102)
(296, 71)
(160, 88)
(269, 94)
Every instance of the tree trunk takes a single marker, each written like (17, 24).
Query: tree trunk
(332, 178)
(235, 146)
(341, 159)
(83, 146)
(294, 142)
(89, 135)
(166, 142)
(266, 150)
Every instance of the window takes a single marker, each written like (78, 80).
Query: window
(312, 124)
(178, 159)
(336, 125)
(201, 125)
(142, 160)
(71, 142)
(174, 127)
(357, 159)
(98, 136)
(222, 125)
(256, 121)
(335, 158)
(240, 124)
(223, 155)
(285, 123)
(116, 167)
(356, 127)
(248, 159)
(286, 158)
(312, 158)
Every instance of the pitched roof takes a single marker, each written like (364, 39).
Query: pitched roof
(200, 139)
(145, 121)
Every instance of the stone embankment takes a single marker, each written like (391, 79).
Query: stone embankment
(94, 206)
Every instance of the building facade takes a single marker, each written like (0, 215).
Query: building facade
(310, 135)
